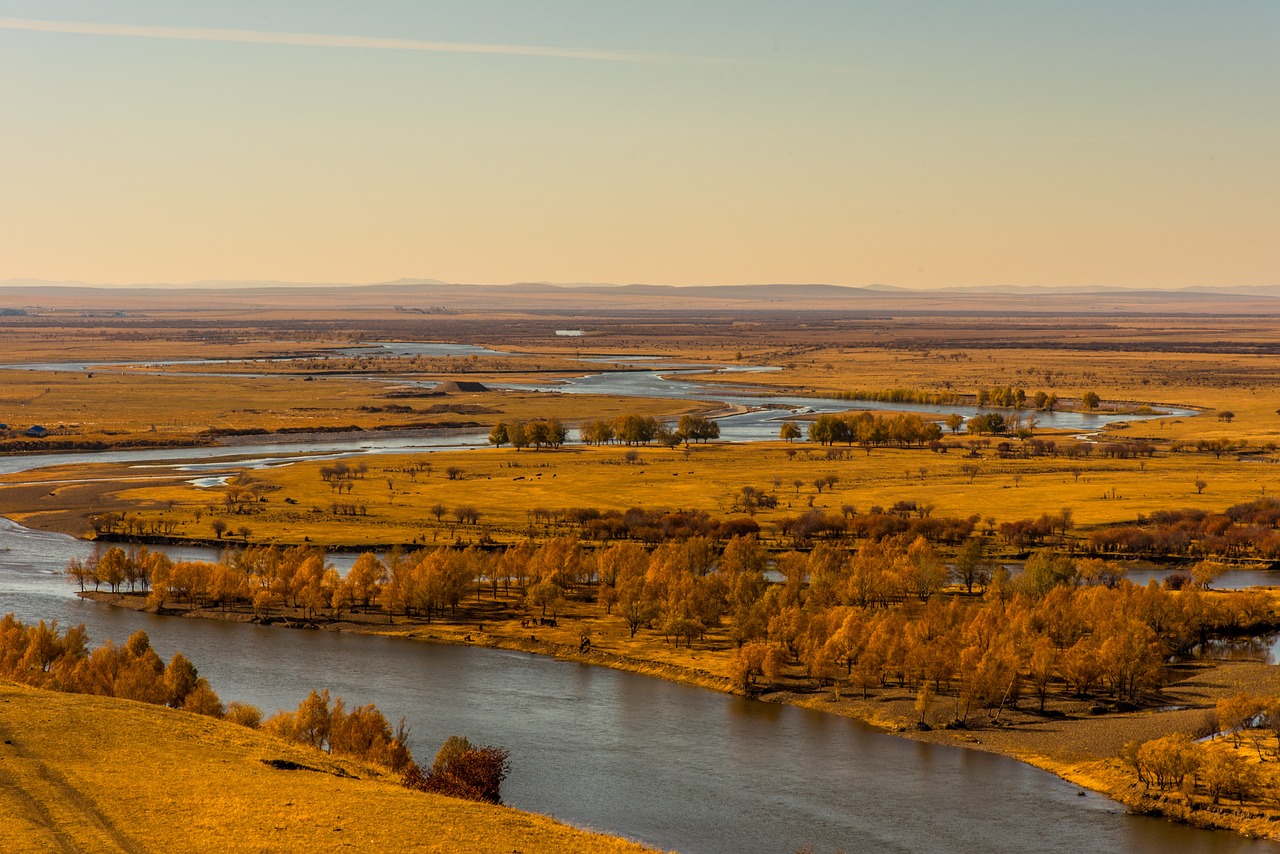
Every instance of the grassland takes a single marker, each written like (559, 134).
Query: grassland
(82, 773)
(397, 493)
(1215, 365)
(93, 410)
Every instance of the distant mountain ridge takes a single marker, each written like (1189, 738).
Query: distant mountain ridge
(432, 296)
(749, 290)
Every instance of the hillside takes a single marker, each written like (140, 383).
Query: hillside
(82, 773)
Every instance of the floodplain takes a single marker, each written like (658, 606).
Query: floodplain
(1080, 507)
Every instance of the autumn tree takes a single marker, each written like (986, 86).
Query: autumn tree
(498, 435)
(463, 770)
(179, 680)
(366, 578)
(971, 565)
(697, 428)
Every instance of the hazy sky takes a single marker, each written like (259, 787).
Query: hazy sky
(681, 142)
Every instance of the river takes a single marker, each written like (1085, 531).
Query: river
(668, 764)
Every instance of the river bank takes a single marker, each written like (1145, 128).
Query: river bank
(71, 784)
(1074, 742)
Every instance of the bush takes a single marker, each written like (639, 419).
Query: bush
(462, 770)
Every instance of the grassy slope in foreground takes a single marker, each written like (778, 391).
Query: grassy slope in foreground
(82, 773)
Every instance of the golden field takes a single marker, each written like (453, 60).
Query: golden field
(397, 493)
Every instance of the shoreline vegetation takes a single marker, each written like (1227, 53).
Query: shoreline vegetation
(1080, 742)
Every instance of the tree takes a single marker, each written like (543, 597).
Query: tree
(1165, 761)
(971, 566)
(517, 435)
(203, 700)
(697, 428)
(1228, 774)
(219, 527)
(598, 432)
(829, 429)
(1206, 572)
(546, 594)
(954, 422)
(313, 719)
(667, 437)
(1045, 570)
(635, 429)
(366, 578)
(462, 770)
(180, 679)
(111, 567)
(789, 432)
(1200, 484)
(498, 435)
(77, 572)
(1090, 400)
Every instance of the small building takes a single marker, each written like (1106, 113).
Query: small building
(37, 432)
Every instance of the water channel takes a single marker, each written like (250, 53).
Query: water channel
(671, 765)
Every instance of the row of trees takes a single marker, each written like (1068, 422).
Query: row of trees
(1009, 397)
(45, 657)
(870, 617)
(624, 429)
(1006, 397)
(521, 434)
(1242, 530)
(870, 430)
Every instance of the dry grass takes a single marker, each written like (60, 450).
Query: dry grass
(96, 774)
(1245, 383)
(505, 485)
(120, 408)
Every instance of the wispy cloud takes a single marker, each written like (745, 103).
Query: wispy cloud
(201, 34)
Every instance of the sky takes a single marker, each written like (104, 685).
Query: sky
(917, 144)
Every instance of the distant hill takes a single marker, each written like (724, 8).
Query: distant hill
(430, 296)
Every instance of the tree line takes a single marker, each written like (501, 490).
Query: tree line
(1248, 529)
(628, 429)
(863, 618)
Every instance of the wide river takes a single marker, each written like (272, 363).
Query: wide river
(671, 765)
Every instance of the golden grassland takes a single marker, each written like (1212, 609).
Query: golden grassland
(175, 408)
(397, 493)
(83, 773)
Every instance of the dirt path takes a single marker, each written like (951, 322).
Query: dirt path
(48, 801)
